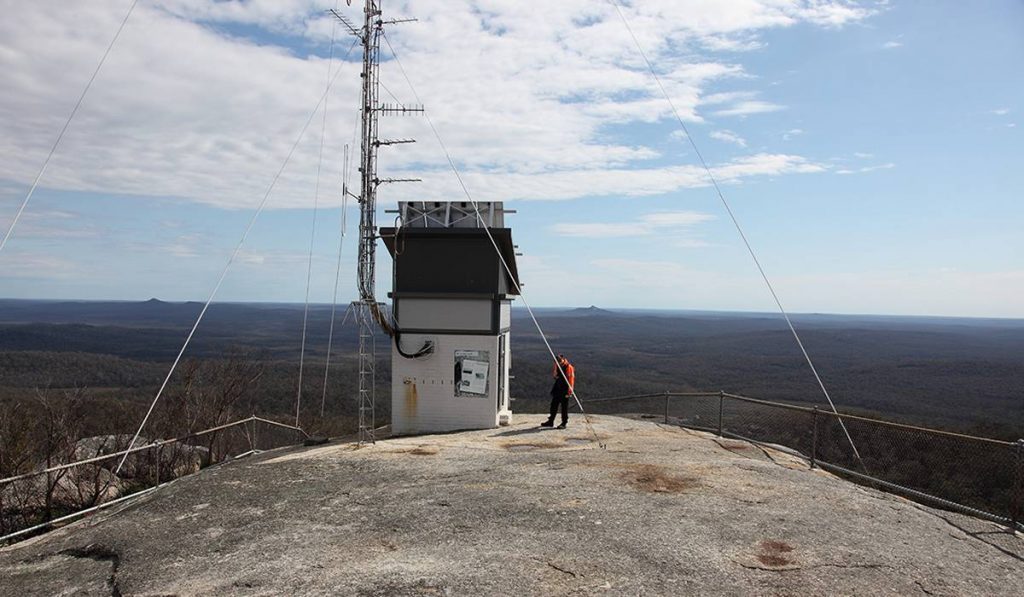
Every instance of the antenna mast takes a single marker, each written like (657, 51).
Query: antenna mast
(369, 312)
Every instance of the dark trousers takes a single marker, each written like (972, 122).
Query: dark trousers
(557, 401)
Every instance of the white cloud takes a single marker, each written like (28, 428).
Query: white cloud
(885, 166)
(678, 134)
(41, 266)
(728, 137)
(892, 45)
(183, 109)
(862, 155)
(664, 219)
(49, 224)
(746, 108)
(645, 225)
(731, 44)
(738, 103)
(766, 165)
(788, 135)
(185, 246)
(601, 230)
(624, 182)
(690, 243)
(1001, 111)
(727, 97)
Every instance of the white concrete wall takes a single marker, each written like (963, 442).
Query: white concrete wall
(423, 396)
(505, 315)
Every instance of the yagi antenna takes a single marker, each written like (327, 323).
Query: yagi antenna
(356, 32)
(344, 20)
(394, 141)
(402, 109)
(393, 180)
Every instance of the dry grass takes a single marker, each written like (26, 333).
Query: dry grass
(525, 446)
(419, 451)
(771, 553)
(772, 560)
(586, 439)
(655, 479)
(776, 546)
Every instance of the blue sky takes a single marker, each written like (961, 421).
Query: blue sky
(871, 150)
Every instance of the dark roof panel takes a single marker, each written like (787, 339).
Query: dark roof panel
(433, 251)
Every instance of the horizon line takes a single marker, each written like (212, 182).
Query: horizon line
(612, 309)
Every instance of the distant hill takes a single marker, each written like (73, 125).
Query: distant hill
(591, 311)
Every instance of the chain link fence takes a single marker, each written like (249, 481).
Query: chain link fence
(37, 499)
(950, 470)
(979, 476)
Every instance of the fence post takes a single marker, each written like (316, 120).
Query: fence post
(1017, 497)
(721, 411)
(666, 407)
(814, 437)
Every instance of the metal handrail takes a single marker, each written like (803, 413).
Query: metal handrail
(829, 413)
(806, 409)
(149, 446)
(654, 395)
(783, 405)
(79, 513)
(1012, 521)
(998, 442)
(276, 424)
(618, 398)
(157, 444)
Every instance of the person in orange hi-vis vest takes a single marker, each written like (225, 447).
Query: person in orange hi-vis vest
(563, 372)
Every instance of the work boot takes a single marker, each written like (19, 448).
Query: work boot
(562, 426)
(548, 423)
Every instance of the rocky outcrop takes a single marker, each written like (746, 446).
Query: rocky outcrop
(175, 460)
(522, 511)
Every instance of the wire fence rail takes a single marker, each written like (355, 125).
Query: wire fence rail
(978, 476)
(36, 500)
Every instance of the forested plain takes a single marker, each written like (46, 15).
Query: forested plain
(957, 374)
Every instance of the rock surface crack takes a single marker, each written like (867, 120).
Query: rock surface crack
(559, 568)
(100, 553)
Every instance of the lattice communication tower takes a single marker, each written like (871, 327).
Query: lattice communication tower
(369, 312)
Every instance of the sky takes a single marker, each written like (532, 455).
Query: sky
(871, 151)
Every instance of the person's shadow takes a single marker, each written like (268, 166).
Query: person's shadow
(527, 431)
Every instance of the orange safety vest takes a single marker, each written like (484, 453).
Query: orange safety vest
(570, 374)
